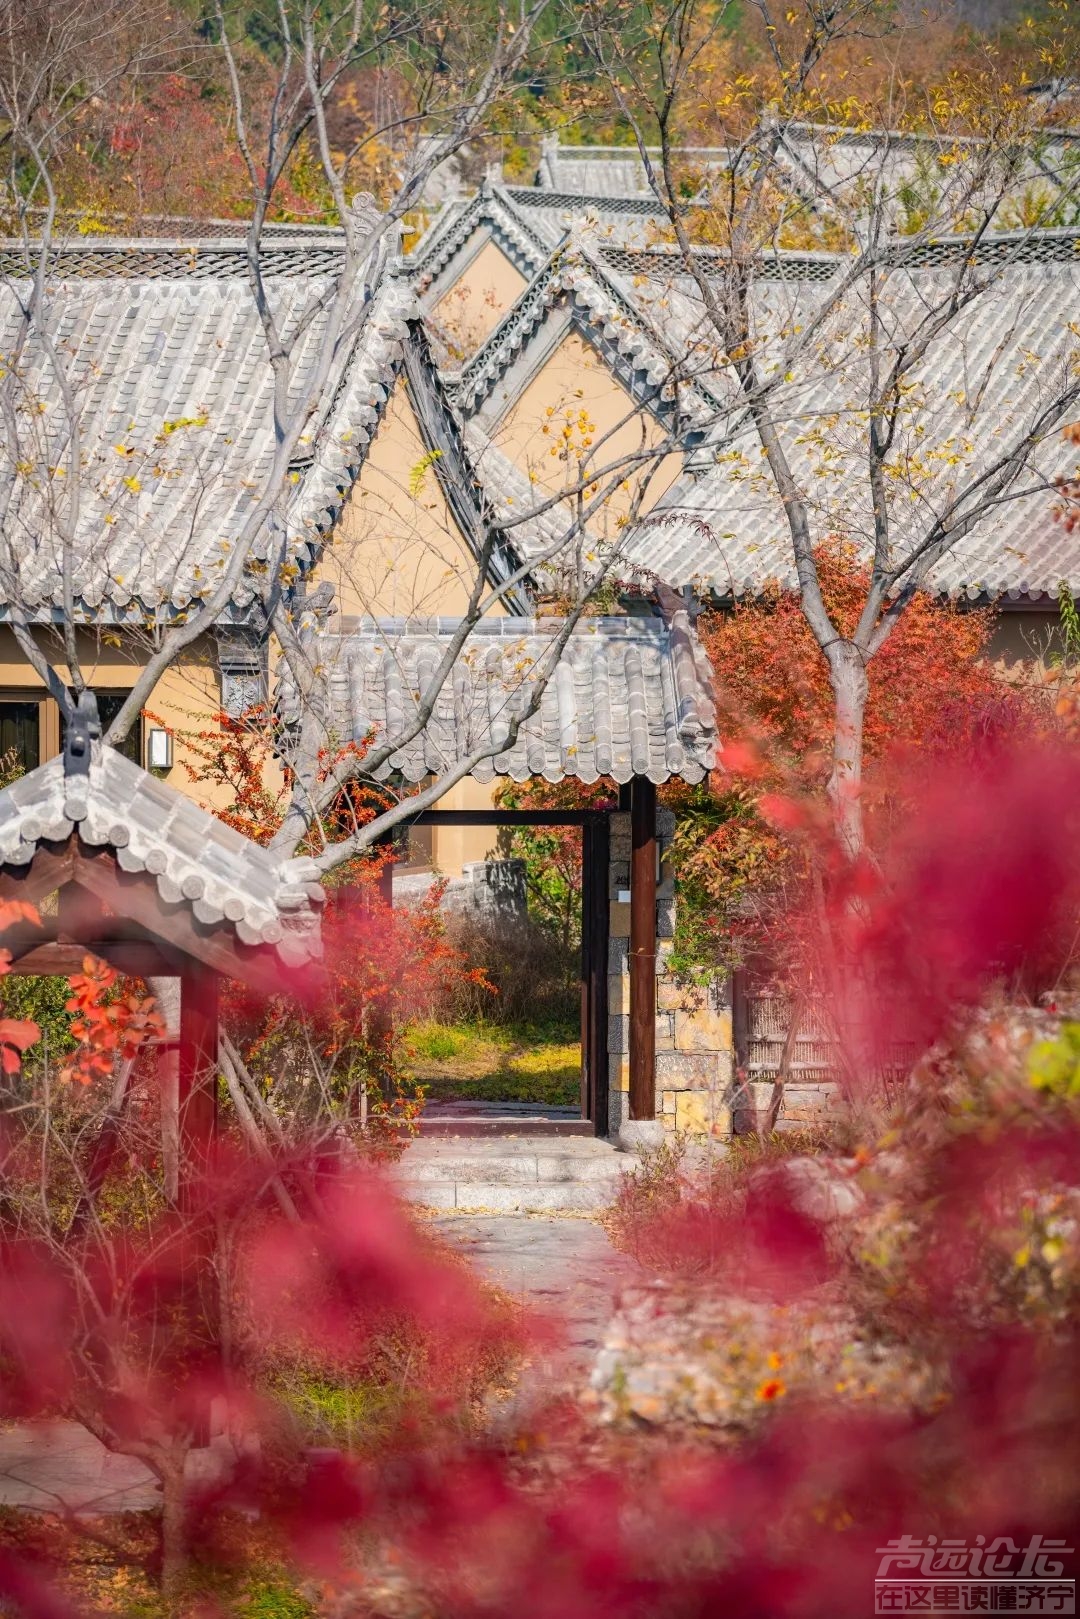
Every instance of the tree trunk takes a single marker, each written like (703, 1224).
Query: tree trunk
(173, 1534)
(847, 673)
(166, 993)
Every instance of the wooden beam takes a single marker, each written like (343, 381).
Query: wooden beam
(59, 959)
(198, 1072)
(380, 1025)
(507, 817)
(52, 866)
(642, 949)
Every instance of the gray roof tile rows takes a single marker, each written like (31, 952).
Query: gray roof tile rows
(168, 258)
(900, 171)
(173, 399)
(983, 383)
(196, 860)
(627, 696)
(513, 498)
(612, 171)
(526, 242)
(833, 168)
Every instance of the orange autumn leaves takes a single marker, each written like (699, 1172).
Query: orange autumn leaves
(932, 694)
(106, 1029)
(16, 1034)
(105, 1026)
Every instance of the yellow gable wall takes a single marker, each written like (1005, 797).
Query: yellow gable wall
(575, 388)
(396, 551)
(479, 298)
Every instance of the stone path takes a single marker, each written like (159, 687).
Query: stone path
(563, 1267)
(60, 1466)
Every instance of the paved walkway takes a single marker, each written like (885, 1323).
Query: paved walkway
(60, 1466)
(561, 1266)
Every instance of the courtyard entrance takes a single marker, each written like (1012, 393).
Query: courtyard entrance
(536, 1064)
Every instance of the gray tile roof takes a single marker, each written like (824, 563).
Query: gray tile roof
(835, 166)
(152, 258)
(174, 400)
(983, 383)
(195, 859)
(612, 171)
(632, 220)
(628, 696)
(832, 167)
(525, 243)
(513, 498)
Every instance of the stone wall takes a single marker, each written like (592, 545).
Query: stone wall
(694, 1048)
(487, 888)
(813, 1104)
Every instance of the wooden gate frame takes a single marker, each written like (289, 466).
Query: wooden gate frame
(640, 798)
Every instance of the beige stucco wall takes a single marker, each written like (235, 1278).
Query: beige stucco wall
(396, 550)
(473, 306)
(574, 386)
(454, 846)
(184, 699)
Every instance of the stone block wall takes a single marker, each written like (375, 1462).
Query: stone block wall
(694, 1046)
(490, 888)
(807, 1104)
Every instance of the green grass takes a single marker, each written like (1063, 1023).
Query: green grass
(488, 1062)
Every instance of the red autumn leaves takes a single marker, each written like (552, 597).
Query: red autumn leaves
(105, 1023)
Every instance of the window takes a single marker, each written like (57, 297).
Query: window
(20, 735)
(108, 703)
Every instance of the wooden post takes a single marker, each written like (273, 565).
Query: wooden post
(594, 973)
(642, 948)
(198, 1070)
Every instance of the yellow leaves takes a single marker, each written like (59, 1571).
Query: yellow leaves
(169, 428)
(133, 484)
(420, 470)
(124, 449)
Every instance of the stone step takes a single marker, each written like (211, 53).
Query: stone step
(522, 1137)
(484, 1124)
(512, 1168)
(524, 1174)
(523, 1198)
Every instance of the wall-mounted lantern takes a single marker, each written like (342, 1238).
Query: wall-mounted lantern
(159, 749)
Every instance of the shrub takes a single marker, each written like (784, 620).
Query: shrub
(521, 973)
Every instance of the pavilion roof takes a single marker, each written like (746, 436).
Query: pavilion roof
(199, 864)
(174, 401)
(984, 385)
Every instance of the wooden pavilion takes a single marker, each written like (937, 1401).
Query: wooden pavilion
(154, 885)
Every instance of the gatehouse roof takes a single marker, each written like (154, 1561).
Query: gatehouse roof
(623, 696)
